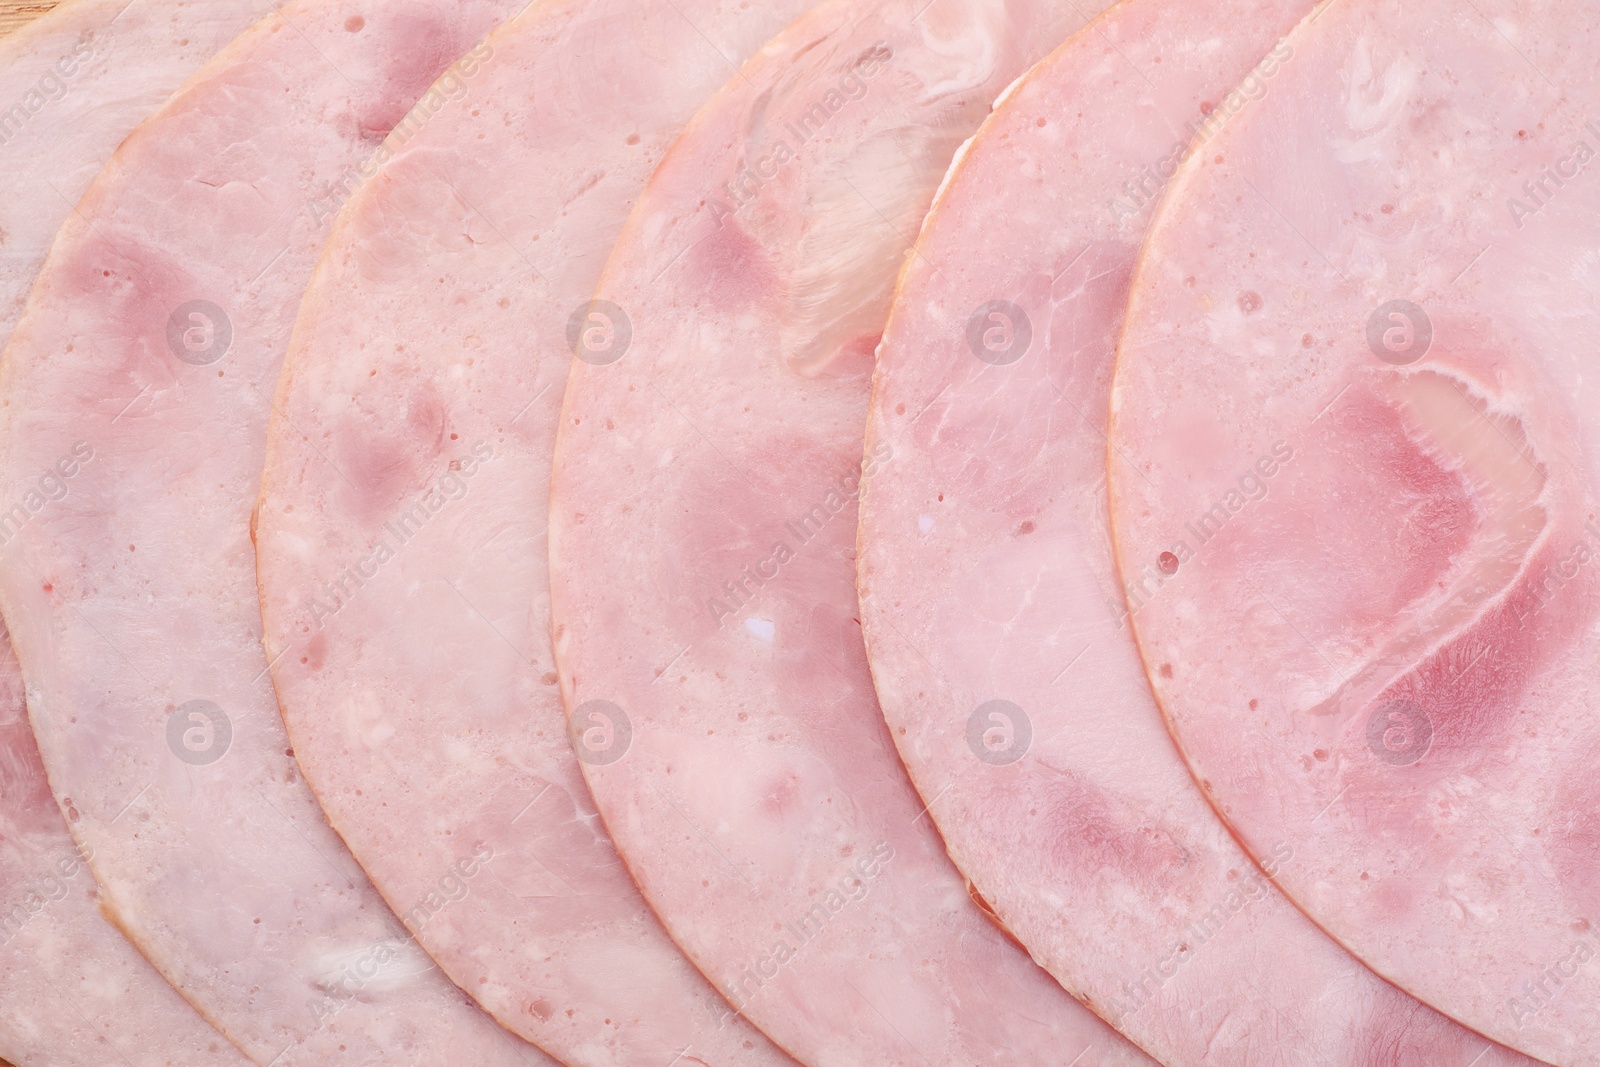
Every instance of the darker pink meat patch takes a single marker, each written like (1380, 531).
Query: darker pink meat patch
(1470, 688)
(1084, 828)
(389, 469)
(420, 50)
(1423, 514)
(735, 271)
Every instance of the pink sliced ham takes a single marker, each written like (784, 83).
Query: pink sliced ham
(73, 991)
(1353, 491)
(136, 391)
(701, 523)
(989, 597)
(73, 83)
(400, 532)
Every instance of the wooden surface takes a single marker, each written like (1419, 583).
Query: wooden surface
(14, 13)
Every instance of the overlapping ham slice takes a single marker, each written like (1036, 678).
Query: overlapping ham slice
(400, 533)
(1353, 486)
(72, 84)
(73, 991)
(702, 517)
(989, 597)
(136, 389)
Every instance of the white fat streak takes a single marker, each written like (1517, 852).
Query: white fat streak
(966, 146)
(367, 970)
(966, 25)
(1376, 93)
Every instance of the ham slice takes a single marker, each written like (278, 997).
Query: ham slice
(136, 392)
(1352, 485)
(989, 596)
(73, 991)
(73, 83)
(400, 533)
(702, 518)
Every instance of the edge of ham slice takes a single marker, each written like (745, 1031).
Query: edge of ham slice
(144, 363)
(73, 83)
(1354, 406)
(709, 653)
(400, 531)
(73, 990)
(990, 601)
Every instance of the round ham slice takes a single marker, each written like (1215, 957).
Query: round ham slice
(702, 517)
(989, 597)
(400, 532)
(1353, 490)
(136, 390)
(72, 85)
(73, 991)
